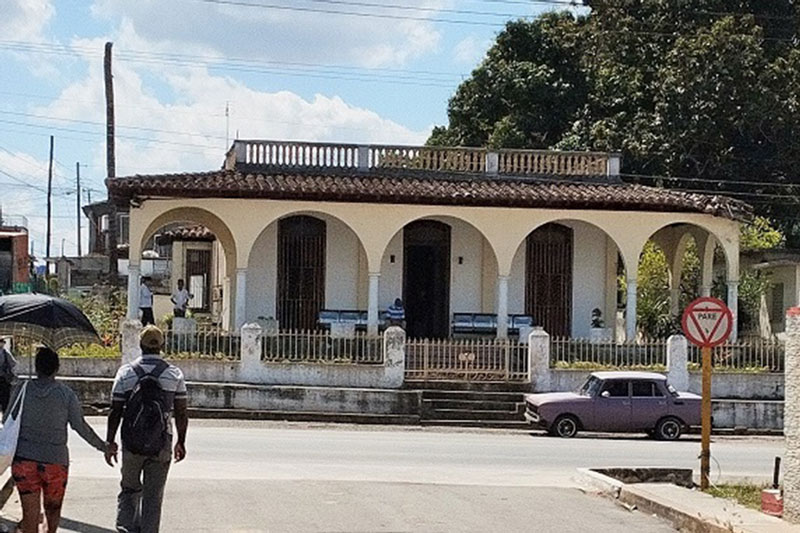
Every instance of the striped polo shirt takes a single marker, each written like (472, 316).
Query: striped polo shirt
(171, 381)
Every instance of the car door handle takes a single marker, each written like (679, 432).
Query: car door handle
(626, 403)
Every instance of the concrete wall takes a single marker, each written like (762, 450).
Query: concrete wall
(724, 385)
(272, 398)
(746, 386)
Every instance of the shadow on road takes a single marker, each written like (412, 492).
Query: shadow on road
(614, 436)
(82, 527)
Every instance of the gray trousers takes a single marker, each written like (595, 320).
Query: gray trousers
(139, 501)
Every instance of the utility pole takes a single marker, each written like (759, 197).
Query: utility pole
(49, 199)
(78, 201)
(110, 163)
(227, 124)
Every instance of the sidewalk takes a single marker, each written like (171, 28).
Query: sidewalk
(686, 509)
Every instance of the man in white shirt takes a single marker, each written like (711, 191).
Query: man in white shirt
(146, 303)
(180, 300)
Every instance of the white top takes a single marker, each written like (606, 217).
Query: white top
(145, 296)
(181, 298)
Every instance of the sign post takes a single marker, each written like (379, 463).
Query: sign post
(707, 322)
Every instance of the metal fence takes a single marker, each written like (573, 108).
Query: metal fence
(467, 359)
(744, 355)
(321, 347)
(202, 343)
(589, 354)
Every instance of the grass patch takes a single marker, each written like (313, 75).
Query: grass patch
(747, 495)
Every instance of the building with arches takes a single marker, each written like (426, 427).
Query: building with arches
(307, 227)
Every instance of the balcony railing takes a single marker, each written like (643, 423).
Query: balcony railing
(290, 154)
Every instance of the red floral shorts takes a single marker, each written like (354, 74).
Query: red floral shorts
(31, 477)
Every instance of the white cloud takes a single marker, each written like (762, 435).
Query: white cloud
(471, 50)
(289, 34)
(186, 130)
(25, 20)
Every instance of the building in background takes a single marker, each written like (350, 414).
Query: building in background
(15, 262)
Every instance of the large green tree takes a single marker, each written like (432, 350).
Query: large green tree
(707, 90)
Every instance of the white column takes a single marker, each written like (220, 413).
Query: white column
(372, 303)
(240, 307)
(134, 279)
(250, 355)
(677, 362)
(791, 417)
(502, 307)
(630, 311)
(539, 360)
(130, 329)
(674, 301)
(733, 305)
(705, 291)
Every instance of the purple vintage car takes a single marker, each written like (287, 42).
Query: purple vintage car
(616, 402)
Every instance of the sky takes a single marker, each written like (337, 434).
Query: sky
(362, 71)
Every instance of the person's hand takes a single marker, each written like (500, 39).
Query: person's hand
(180, 452)
(111, 453)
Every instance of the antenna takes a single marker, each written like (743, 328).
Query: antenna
(227, 124)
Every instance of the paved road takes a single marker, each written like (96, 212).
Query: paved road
(243, 476)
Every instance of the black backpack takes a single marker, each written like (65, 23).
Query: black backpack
(145, 429)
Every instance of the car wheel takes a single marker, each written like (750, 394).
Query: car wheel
(669, 428)
(565, 426)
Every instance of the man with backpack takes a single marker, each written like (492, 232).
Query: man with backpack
(145, 396)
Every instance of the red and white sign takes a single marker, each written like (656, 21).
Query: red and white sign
(707, 322)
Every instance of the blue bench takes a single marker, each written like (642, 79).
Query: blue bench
(348, 316)
(486, 323)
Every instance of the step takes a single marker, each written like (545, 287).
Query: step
(471, 404)
(467, 386)
(459, 414)
(513, 397)
(495, 424)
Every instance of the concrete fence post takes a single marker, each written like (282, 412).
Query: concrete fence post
(791, 418)
(539, 359)
(678, 362)
(130, 329)
(394, 354)
(251, 352)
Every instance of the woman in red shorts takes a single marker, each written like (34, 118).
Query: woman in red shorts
(41, 463)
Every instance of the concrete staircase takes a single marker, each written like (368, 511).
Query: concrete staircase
(491, 407)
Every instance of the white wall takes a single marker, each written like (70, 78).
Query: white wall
(786, 275)
(345, 270)
(589, 277)
(466, 279)
(472, 282)
(391, 284)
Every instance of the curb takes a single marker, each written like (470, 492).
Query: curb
(682, 519)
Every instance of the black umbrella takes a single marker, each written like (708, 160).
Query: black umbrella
(52, 321)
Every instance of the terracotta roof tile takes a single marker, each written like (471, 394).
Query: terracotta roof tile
(410, 187)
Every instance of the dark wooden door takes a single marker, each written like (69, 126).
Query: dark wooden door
(198, 269)
(548, 284)
(426, 279)
(301, 271)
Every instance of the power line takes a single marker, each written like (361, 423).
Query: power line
(709, 180)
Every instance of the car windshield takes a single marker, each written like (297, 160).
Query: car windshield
(591, 386)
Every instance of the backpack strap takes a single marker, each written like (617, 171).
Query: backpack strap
(160, 367)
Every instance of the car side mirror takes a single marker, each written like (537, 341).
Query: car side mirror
(605, 394)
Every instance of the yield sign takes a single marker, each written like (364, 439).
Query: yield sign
(707, 322)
